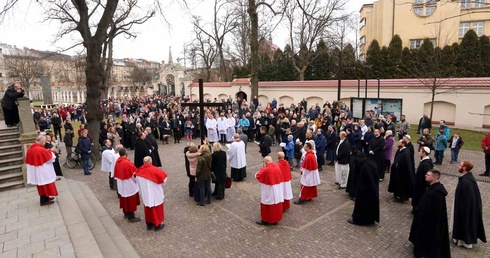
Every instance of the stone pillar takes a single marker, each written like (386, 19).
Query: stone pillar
(70, 96)
(46, 86)
(27, 130)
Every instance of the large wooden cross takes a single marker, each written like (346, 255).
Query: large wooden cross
(201, 104)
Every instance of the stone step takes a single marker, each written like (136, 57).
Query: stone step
(9, 130)
(11, 184)
(12, 176)
(120, 241)
(11, 169)
(80, 235)
(9, 135)
(7, 148)
(11, 161)
(9, 142)
(10, 154)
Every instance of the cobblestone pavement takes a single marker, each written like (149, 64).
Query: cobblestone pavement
(317, 229)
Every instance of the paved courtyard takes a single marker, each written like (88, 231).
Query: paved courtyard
(317, 229)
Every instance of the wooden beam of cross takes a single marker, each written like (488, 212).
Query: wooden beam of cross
(201, 104)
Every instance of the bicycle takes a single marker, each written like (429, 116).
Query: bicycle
(75, 158)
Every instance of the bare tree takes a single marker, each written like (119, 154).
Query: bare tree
(141, 76)
(308, 22)
(204, 48)
(25, 65)
(223, 23)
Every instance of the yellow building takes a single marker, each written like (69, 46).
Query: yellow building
(443, 21)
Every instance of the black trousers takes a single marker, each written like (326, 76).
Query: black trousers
(11, 116)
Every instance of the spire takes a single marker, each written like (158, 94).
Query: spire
(170, 60)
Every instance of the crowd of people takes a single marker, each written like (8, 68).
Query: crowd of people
(361, 152)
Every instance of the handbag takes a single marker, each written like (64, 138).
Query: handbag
(213, 177)
(228, 182)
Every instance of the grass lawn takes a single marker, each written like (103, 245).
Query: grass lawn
(472, 139)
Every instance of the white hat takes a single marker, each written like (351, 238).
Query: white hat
(297, 140)
(408, 136)
(427, 150)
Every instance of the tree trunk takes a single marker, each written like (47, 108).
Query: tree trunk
(95, 77)
(434, 88)
(254, 47)
(224, 74)
(301, 75)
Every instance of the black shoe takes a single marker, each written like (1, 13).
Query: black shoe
(483, 174)
(47, 203)
(208, 202)
(87, 174)
(351, 221)
(149, 226)
(198, 204)
(262, 223)
(134, 219)
(159, 227)
(299, 202)
(214, 194)
(341, 187)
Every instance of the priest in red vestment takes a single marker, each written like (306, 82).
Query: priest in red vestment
(310, 177)
(272, 192)
(40, 170)
(286, 179)
(150, 180)
(127, 187)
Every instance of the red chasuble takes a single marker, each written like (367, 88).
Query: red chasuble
(124, 169)
(272, 193)
(152, 173)
(37, 155)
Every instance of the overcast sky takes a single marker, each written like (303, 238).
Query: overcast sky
(24, 28)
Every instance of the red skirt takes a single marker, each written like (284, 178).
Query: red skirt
(129, 204)
(286, 205)
(155, 215)
(271, 213)
(47, 190)
(308, 193)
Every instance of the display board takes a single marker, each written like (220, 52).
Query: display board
(385, 107)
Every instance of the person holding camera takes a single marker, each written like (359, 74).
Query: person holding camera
(10, 110)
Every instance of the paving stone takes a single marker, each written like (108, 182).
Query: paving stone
(16, 243)
(67, 250)
(8, 236)
(41, 236)
(9, 254)
(58, 241)
(52, 252)
(28, 250)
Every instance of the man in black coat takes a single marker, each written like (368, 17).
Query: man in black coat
(468, 222)
(411, 150)
(10, 110)
(155, 156)
(343, 160)
(420, 184)
(377, 153)
(266, 142)
(141, 149)
(402, 176)
(424, 122)
(366, 208)
(429, 233)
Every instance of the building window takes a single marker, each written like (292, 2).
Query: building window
(429, 10)
(415, 43)
(478, 28)
(463, 28)
(424, 8)
(362, 40)
(465, 4)
(418, 11)
(479, 3)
